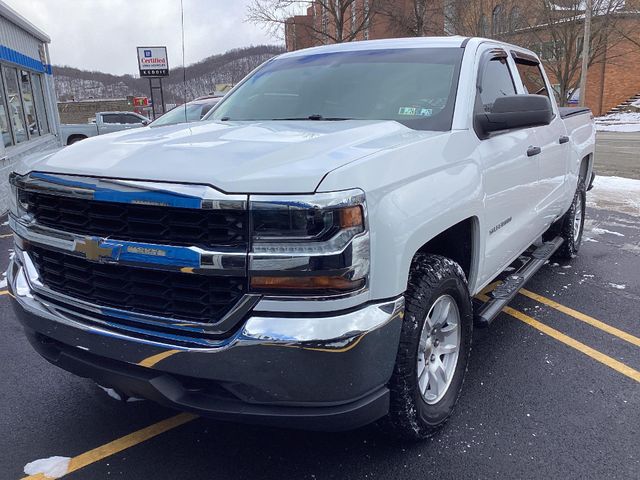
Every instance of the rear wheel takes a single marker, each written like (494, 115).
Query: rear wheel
(434, 348)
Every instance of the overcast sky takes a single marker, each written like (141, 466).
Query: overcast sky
(103, 34)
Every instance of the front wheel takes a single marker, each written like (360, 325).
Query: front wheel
(434, 349)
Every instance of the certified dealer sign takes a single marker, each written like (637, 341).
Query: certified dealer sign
(152, 61)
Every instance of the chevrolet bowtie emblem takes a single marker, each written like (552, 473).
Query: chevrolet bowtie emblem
(93, 250)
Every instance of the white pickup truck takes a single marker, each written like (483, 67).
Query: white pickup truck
(104, 122)
(309, 254)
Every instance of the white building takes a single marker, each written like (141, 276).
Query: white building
(28, 113)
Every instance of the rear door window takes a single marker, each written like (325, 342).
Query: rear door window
(111, 118)
(532, 78)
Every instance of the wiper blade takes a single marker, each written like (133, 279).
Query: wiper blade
(315, 116)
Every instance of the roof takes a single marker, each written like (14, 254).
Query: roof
(387, 43)
(17, 19)
(454, 41)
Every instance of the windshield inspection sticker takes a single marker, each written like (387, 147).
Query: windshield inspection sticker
(415, 111)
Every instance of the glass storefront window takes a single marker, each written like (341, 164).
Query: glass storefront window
(16, 112)
(38, 96)
(29, 104)
(4, 120)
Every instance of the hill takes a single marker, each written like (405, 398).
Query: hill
(229, 67)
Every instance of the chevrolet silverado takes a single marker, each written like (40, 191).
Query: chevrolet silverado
(308, 255)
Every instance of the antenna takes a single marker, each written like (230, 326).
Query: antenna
(184, 67)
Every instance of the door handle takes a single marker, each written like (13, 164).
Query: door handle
(531, 151)
(563, 139)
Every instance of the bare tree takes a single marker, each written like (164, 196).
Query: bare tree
(557, 33)
(413, 18)
(332, 21)
(553, 29)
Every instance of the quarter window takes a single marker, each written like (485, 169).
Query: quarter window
(496, 82)
(16, 112)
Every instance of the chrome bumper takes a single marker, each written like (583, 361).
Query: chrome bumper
(286, 360)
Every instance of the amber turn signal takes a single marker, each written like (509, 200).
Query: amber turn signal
(305, 284)
(351, 217)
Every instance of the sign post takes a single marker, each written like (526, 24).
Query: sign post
(154, 64)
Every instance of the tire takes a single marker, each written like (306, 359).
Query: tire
(571, 225)
(434, 282)
(73, 140)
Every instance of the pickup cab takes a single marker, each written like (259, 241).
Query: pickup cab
(104, 122)
(308, 255)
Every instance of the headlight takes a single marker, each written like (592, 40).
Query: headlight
(314, 245)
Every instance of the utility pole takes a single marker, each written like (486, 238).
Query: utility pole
(586, 40)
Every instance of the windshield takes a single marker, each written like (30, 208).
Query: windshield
(191, 112)
(413, 86)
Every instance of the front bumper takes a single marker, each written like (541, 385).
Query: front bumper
(324, 372)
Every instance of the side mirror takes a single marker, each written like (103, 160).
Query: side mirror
(145, 123)
(515, 111)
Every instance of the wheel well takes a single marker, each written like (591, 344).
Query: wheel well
(585, 163)
(72, 138)
(455, 243)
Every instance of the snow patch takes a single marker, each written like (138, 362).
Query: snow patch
(618, 286)
(615, 193)
(600, 231)
(111, 392)
(3, 283)
(619, 122)
(52, 467)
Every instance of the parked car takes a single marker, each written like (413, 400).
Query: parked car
(104, 122)
(187, 113)
(308, 256)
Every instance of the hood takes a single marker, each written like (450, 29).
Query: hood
(235, 157)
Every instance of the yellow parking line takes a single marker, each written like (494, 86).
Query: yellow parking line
(154, 359)
(121, 444)
(5, 292)
(581, 347)
(582, 317)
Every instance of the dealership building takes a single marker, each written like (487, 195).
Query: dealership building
(28, 113)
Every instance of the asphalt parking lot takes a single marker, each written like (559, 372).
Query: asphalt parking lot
(553, 391)
(617, 154)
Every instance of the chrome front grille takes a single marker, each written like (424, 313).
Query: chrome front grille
(140, 223)
(155, 258)
(176, 295)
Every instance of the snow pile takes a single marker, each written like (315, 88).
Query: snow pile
(619, 122)
(615, 193)
(52, 467)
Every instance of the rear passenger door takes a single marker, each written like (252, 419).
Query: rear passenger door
(111, 122)
(510, 175)
(553, 141)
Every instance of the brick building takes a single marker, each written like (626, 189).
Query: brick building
(612, 75)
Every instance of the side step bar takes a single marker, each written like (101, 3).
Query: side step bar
(505, 292)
